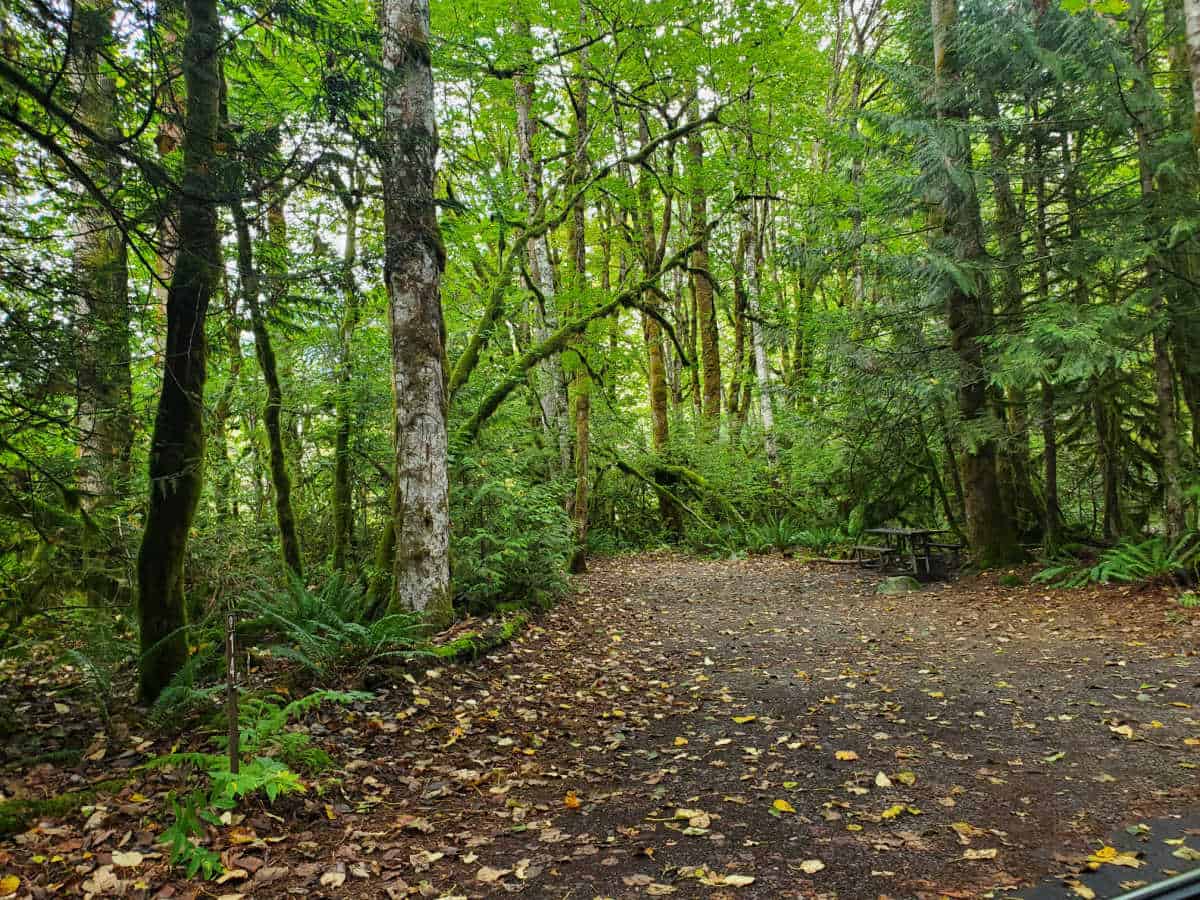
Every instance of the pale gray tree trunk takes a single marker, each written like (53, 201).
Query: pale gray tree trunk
(1191, 14)
(104, 413)
(412, 272)
(551, 380)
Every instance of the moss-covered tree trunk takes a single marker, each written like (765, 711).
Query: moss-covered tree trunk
(957, 234)
(736, 405)
(762, 372)
(702, 286)
(177, 446)
(104, 412)
(343, 505)
(281, 483)
(1144, 123)
(1016, 480)
(656, 369)
(581, 386)
(413, 261)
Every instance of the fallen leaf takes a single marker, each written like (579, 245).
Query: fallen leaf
(989, 853)
(571, 801)
(811, 866)
(333, 879)
(845, 755)
(783, 806)
(9, 885)
(882, 781)
(488, 875)
(127, 860)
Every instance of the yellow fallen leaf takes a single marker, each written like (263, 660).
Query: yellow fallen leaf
(783, 806)
(906, 778)
(571, 801)
(681, 742)
(738, 880)
(9, 885)
(811, 866)
(989, 853)
(937, 695)
(1124, 730)
(882, 781)
(892, 811)
(742, 720)
(845, 755)
(1079, 889)
(1113, 857)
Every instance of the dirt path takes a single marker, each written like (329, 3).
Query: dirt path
(724, 688)
(680, 727)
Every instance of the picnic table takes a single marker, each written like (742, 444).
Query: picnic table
(915, 545)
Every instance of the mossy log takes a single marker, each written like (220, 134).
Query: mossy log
(19, 815)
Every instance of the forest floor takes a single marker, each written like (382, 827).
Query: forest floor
(756, 728)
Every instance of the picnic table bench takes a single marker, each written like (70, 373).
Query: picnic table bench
(913, 545)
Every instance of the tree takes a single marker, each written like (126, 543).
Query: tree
(104, 413)
(413, 262)
(958, 236)
(177, 445)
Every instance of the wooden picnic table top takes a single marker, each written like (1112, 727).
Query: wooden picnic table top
(906, 532)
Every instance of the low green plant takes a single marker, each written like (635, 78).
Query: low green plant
(327, 631)
(1154, 559)
(1189, 600)
(269, 754)
(511, 543)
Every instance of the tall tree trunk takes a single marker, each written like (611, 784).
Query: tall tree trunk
(226, 499)
(1014, 456)
(702, 286)
(581, 380)
(1180, 185)
(343, 506)
(736, 405)
(1052, 515)
(762, 372)
(281, 483)
(1191, 13)
(170, 23)
(413, 262)
(177, 446)
(1108, 449)
(104, 403)
(1164, 374)
(958, 233)
(551, 379)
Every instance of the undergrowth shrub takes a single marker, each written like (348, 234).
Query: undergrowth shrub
(270, 753)
(327, 630)
(511, 543)
(1154, 559)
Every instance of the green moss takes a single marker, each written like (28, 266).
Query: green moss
(476, 644)
(17, 816)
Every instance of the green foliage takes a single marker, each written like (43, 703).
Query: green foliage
(274, 753)
(511, 542)
(328, 631)
(1154, 559)
(1189, 600)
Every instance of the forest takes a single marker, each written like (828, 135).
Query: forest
(419, 419)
